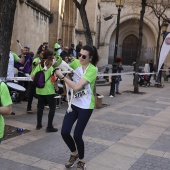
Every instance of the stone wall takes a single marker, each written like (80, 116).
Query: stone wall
(31, 27)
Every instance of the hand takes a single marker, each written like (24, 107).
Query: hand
(22, 51)
(32, 77)
(21, 68)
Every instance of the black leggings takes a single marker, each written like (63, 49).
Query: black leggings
(42, 99)
(82, 116)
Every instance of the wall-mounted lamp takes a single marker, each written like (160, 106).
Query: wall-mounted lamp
(108, 18)
(164, 27)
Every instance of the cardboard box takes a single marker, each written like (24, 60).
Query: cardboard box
(98, 101)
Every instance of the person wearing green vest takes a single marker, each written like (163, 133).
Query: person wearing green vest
(32, 88)
(46, 94)
(58, 47)
(82, 105)
(5, 106)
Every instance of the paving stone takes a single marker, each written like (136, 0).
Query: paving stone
(168, 129)
(137, 141)
(109, 132)
(151, 103)
(57, 149)
(32, 118)
(11, 165)
(126, 150)
(122, 118)
(141, 110)
(150, 162)
(114, 161)
(162, 144)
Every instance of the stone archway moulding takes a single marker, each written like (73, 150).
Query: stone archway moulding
(112, 27)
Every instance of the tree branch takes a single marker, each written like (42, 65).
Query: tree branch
(77, 4)
(83, 2)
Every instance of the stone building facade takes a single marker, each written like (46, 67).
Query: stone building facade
(37, 21)
(128, 33)
(31, 24)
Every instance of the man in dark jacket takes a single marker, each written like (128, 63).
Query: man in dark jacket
(24, 69)
(64, 52)
(72, 51)
(113, 80)
(78, 47)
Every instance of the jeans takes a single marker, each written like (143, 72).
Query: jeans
(117, 86)
(82, 116)
(42, 99)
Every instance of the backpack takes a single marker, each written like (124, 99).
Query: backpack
(39, 79)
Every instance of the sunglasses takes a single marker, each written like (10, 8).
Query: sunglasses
(83, 56)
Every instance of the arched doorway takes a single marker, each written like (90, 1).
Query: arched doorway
(129, 49)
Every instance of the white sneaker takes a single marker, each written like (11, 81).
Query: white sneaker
(57, 107)
(47, 107)
(111, 95)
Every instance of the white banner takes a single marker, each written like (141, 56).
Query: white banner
(164, 51)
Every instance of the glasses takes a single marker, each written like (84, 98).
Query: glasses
(83, 56)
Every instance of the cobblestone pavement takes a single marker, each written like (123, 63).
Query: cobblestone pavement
(130, 132)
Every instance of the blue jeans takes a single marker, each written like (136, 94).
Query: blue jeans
(117, 86)
(0, 140)
(82, 116)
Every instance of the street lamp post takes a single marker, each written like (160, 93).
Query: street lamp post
(164, 27)
(119, 4)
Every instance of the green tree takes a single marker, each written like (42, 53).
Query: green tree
(81, 7)
(7, 11)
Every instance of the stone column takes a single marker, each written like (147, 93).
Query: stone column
(54, 30)
(68, 24)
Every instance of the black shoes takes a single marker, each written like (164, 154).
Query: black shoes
(38, 127)
(118, 93)
(51, 129)
(12, 113)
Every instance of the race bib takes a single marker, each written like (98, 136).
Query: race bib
(80, 93)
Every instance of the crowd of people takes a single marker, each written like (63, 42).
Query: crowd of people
(83, 61)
